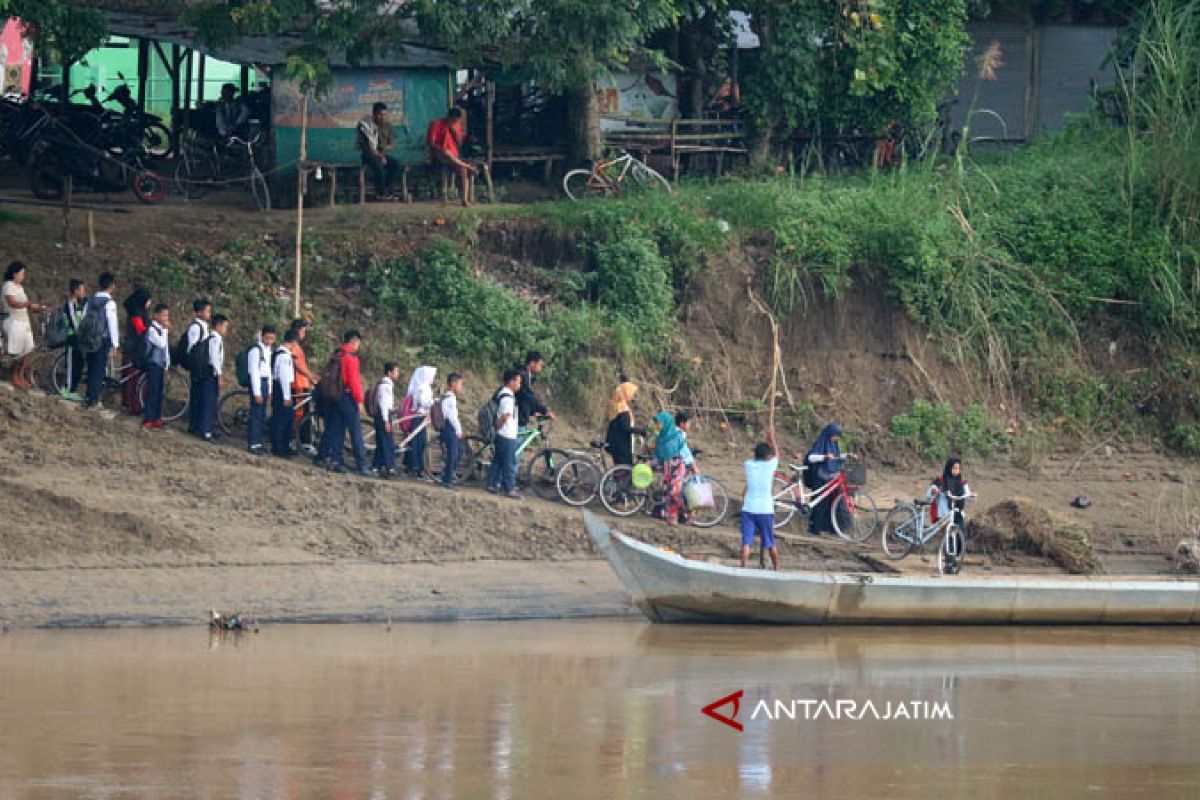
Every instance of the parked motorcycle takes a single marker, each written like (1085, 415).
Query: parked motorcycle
(60, 155)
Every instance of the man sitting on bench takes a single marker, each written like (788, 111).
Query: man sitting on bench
(375, 137)
(444, 137)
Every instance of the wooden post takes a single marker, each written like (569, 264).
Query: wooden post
(489, 92)
(187, 86)
(200, 86)
(143, 72)
(68, 187)
(91, 223)
(300, 198)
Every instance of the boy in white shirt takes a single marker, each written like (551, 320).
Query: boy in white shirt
(502, 475)
(210, 388)
(283, 373)
(383, 405)
(451, 431)
(158, 361)
(259, 364)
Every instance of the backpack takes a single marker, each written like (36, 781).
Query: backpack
(93, 328)
(180, 353)
(371, 400)
(242, 366)
(437, 415)
(408, 413)
(58, 328)
(331, 388)
(197, 359)
(136, 348)
(487, 415)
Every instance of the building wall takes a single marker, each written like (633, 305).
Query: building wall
(16, 56)
(415, 97)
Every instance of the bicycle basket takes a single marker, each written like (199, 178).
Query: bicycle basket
(856, 474)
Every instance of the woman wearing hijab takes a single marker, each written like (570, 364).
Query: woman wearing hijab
(824, 462)
(673, 455)
(419, 401)
(18, 332)
(621, 424)
(951, 483)
(137, 310)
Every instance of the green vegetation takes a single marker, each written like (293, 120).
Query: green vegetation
(937, 431)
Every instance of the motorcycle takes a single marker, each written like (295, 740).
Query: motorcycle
(131, 126)
(60, 155)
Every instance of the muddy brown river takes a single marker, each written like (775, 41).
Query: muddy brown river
(577, 710)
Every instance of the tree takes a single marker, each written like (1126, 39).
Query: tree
(60, 28)
(564, 45)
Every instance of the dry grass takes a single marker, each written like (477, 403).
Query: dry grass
(1020, 525)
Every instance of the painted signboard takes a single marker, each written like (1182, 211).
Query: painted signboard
(16, 58)
(637, 95)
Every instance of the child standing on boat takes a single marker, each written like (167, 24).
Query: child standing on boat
(758, 506)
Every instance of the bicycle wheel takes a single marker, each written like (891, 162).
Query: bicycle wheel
(579, 184)
(175, 395)
(368, 436)
(578, 482)
(233, 413)
(195, 176)
(787, 500)
(647, 179)
(58, 373)
(306, 432)
(147, 186)
(435, 460)
(259, 190)
(855, 516)
(900, 531)
(542, 470)
(156, 139)
(618, 494)
(708, 517)
(41, 371)
(481, 457)
(951, 551)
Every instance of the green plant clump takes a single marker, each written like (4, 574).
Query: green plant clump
(935, 431)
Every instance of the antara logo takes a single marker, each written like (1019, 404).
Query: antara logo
(710, 710)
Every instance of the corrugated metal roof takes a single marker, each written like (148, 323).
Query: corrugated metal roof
(261, 50)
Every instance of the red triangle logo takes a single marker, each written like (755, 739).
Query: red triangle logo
(710, 710)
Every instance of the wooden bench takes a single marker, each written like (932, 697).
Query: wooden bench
(331, 169)
(677, 138)
(534, 154)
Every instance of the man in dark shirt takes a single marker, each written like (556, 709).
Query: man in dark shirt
(528, 403)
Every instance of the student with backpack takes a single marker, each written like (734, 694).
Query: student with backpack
(381, 406)
(502, 475)
(254, 373)
(444, 418)
(304, 378)
(158, 361)
(67, 319)
(283, 374)
(99, 337)
(341, 394)
(133, 356)
(208, 362)
(417, 403)
(196, 332)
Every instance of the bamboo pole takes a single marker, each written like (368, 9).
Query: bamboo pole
(300, 175)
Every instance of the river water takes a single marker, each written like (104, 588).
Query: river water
(575, 710)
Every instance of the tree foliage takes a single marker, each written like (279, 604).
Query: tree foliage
(63, 29)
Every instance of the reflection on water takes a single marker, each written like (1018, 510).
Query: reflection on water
(594, 709)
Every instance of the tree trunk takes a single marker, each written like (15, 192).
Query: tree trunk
(760, 145)
(691, 55)
(584, 109)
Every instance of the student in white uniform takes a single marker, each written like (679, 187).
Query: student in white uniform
(213, 376)
(383, 415)
(158, 361)
(259, 364)
(97, 361)
(283, 418)
(197, 331)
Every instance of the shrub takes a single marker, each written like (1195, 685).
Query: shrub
(936, 431)
(633, 282)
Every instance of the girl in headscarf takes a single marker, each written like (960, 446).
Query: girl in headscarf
(137, 310)
(951, 483)
(419, 401)
(621, 424)
(824, 462)
(675, 458)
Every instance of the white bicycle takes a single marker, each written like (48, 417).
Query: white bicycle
(610, 178)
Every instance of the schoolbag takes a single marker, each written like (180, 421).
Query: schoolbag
(371, 400)
(242, 366)
(330, 389)
(486, 417)
(93, 328)
(408, 414)
(437, 415)
(180, 352)
(58, 328)
(197, 358)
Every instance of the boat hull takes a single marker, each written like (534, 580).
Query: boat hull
(669, 588)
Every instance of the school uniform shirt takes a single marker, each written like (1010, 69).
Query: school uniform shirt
(158, 349)
(450, 413)
(385, 398)
(197, 331)
(284, 372)
(508, 405)
(110, 313)
(260, 368)
(216, 354)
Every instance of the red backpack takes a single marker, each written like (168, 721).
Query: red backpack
(408, 411)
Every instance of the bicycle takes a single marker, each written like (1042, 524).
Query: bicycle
(906, 529)
(853, 512)
(539, 474)
(205, 164)
(233, 419)
(175, 392)
(431, 468)
(607, 178)
(578, 479)
(39, 376)
(620, 495)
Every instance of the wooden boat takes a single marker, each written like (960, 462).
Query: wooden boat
(670, 588)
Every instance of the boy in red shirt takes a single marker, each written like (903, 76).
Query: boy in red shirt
(443, 138)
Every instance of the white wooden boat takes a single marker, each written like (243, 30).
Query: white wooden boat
(670, 588)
